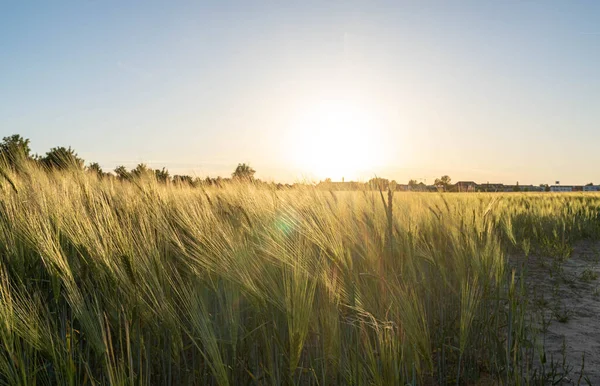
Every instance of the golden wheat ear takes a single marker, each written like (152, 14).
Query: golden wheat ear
(10, 181)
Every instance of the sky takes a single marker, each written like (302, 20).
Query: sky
(490, 91)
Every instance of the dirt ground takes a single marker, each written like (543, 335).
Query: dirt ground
(566, 305)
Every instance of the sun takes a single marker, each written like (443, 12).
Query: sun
(337, 138)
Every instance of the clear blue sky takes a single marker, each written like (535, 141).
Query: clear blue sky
(501, 91)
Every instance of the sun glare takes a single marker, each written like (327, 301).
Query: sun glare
(337, 138)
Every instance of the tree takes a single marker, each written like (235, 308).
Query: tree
(243, 172)
(378, 183)
(95, 168)
(14, 149)
(183, 180)
(61, 158)
(517, 188)
(141, 170)
(413, 185)
(162, 175)
(122, 173)
(443, 182)
(589, 184)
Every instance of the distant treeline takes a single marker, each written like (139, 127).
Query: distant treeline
(15, 151)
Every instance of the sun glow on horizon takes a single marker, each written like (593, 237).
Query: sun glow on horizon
(337, 138)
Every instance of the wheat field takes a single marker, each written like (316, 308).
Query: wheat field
(143, 283)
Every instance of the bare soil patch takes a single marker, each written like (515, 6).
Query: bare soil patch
(565, 297)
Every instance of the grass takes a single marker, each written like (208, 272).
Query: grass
(563, 314)
(141, 283)
(588, 275)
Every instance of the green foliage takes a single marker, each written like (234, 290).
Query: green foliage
(96, 169)
(14, 149)
(61, 158)
(122, 173)
(183, 180)
(378, 183)
(443, 182)
(243, 172)
(141, 170)
(162, 175)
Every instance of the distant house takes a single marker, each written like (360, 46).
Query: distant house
(591, 188)
(420, 187)
(531, 188)
(465, 186)
(491, 187)
(561, 188)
